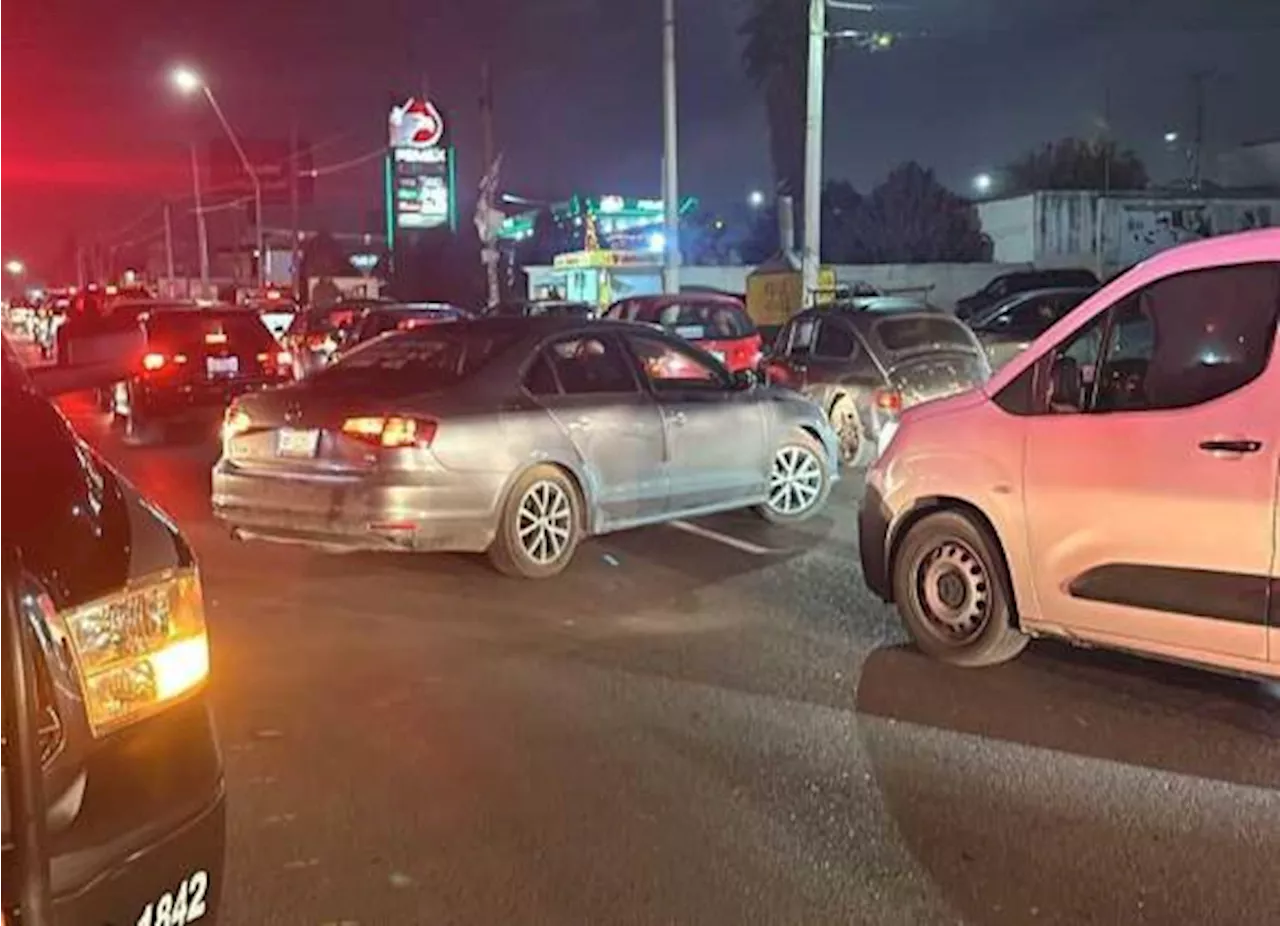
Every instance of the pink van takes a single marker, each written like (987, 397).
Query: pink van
(1114, 485)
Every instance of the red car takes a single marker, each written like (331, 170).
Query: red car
(718, 324)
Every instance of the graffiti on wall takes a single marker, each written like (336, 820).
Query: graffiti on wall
(1147, 228)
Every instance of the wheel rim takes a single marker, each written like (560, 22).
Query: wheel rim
(544, 522)
(954, 590)
(795, 482)
(845, 423)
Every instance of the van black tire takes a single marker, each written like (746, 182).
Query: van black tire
(563, 508)
(953, 592)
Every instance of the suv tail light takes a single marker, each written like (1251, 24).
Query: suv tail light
(153, 361)
(888, 401)
(392, 431)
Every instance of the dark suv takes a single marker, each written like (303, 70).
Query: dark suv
(190, 363)
(112, 778)
(1021, 281)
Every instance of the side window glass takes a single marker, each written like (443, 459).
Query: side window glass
(591, 365)
(803, 334)
(1073, 368)
(1191, 338)
(669, 368)
(834, 340)
(541, 379)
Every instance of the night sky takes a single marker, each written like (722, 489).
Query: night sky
(93, 134)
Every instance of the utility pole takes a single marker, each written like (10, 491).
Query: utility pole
(670, 169)
(168, 247)
(489, 244)
(294, 211)
(811, 253)
(202, 233)
(1198, 79)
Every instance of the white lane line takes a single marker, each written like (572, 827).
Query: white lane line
(746, 546)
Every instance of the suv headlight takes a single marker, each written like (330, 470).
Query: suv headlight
(140, 649)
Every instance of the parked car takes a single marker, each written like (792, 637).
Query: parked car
(1007, 328)
(113, 781)
(1114, 485)
(518, 437)
(536, 308)
(188, 363)
(1021, 281)
(716, 323)
(315, 335)
(863, 368)
(888, 303)
(400, 316)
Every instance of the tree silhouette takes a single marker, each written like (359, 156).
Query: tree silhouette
(323, 256)
(775, 57)
(911, 218)
(841, 205)
(1075, 164)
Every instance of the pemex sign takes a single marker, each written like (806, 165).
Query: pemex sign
(420, 168)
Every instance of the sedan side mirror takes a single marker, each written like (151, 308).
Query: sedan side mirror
(1066, 384)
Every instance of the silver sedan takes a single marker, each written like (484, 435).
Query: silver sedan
(515, 436)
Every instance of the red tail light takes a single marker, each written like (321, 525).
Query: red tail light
(888, 401)
(153, 361)
(393, 431)
(284, 359)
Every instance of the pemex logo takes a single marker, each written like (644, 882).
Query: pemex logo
(416, 124)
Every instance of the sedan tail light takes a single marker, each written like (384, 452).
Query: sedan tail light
(888, 401)
(391, 431)
(153, 361)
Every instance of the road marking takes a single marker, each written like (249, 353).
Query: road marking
(746, 546)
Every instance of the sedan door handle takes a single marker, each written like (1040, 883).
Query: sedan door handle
(677, 418)
(1243, 445)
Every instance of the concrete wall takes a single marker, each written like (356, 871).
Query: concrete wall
(1059, 228)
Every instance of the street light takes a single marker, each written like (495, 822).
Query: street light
(755, 199)
(188, 81)
(982, 184)
(15, 267)
(1170, 137)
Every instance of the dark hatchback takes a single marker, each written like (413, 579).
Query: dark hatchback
(1021, 281)
(112, 779)
(191, 363)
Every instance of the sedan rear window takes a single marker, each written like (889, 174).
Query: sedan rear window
(179, 330)
(900, 335)
(380, 321)
(693, 321)
(418, 360)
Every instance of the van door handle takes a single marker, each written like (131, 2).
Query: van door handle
(1243, 445)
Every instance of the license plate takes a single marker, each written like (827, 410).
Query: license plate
(294, 443)
(222, 366)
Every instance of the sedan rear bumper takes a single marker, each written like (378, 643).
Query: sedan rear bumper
(455, 513)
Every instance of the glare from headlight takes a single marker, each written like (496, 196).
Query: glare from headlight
(140, 649)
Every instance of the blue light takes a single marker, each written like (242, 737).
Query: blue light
(657, 242)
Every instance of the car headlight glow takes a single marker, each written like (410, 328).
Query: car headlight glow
(140, 649)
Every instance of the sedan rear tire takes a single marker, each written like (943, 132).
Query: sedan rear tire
(799, 481)
(540, 526)
(953, 593)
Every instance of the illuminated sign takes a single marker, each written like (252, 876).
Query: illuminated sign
(420, 167)
(416, 123)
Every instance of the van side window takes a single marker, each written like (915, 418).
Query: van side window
(1189, 338)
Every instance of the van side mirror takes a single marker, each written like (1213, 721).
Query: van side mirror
(1066, 384)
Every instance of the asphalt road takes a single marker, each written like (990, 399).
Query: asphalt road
(696, 728)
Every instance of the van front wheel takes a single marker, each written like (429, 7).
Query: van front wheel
(953, 593)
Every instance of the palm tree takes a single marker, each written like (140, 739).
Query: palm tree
(775, 58)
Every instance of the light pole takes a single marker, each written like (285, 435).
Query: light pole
(670, 171)
(202, 232)
(188, 81)
(811, 252)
